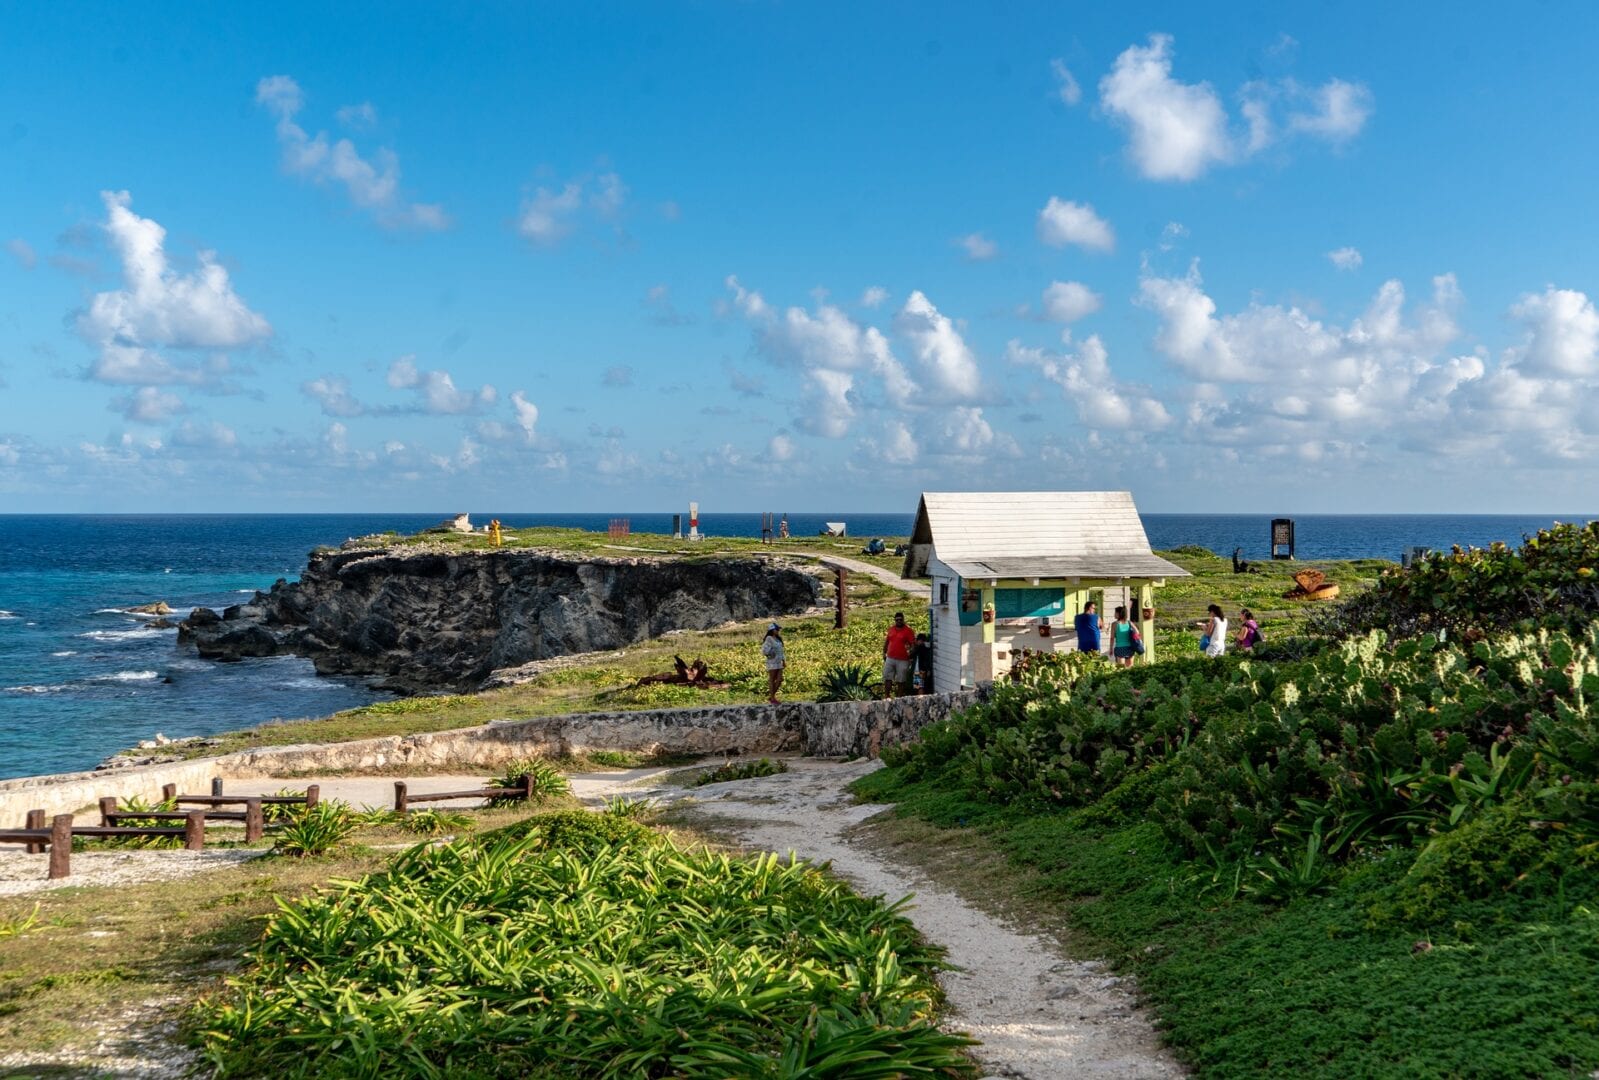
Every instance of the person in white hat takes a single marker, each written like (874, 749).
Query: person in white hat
(772, 649)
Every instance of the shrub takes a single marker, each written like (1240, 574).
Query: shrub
(1291, 769)
(510, 958)
(1552, 579)
(315, 830)
(740, 770)
(623, 807)
(578, 830)
(548, 782)
(434, 822)
(848, 682)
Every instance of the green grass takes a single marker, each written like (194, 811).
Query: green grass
(1321, 987)
(606, 684)
(582, 541)
(1182, 602)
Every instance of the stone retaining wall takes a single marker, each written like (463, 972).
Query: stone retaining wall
(833, 729)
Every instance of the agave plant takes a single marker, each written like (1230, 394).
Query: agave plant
(434, 822)
(315, 830)
(548, 782)
(623, 807)
(848, 682)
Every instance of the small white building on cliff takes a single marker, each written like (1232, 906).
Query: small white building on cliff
(1011, 570)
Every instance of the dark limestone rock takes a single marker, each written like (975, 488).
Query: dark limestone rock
(428, 620)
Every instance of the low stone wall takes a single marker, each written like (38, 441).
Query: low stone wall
(833, 729)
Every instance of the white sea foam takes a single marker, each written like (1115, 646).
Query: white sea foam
(121, 635)
(53, 688)
(7, 614)
(309, 683)
(128, 676)
(66, 652)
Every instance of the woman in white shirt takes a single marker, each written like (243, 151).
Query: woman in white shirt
(772, 650)
(1216, 632)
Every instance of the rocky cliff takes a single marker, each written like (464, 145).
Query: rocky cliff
(443, 620)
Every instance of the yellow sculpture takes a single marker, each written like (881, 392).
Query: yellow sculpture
(494, 532)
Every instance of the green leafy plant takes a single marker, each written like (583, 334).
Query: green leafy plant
(17, 925)
(372, 817)
(548, 781)
(740, 770)
(315, 830)
(508, 956)
(849, 682)
(434, 822)
(135, 804)
(623, 807)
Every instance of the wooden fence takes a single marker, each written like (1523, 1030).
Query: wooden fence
(403, 797)
(36, 837)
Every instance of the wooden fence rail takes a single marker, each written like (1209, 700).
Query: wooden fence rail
(58, 837)
(253, 816)
(403, 798)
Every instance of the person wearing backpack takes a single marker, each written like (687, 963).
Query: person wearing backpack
(1249, 635)
(1126, 642)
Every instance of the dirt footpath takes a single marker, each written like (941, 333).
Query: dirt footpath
(1039, 1014)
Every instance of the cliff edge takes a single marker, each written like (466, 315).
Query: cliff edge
(426, 620)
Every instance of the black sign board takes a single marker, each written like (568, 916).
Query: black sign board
(1282, 536)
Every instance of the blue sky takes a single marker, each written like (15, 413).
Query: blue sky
(805, 256)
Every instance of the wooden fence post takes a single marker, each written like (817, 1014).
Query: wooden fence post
(216, 786)
(399, 797)
(194, 830)
(168, 792)
(313, 795)
(108, 806)
(527, 787)
(60, 846)
(34, 820)
(841, 615)
(254, 821)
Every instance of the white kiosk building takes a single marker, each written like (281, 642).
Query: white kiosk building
(1011, 570)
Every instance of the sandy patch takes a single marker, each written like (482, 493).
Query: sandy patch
(24, 873)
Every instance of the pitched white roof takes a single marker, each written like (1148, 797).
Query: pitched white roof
(1036, 534)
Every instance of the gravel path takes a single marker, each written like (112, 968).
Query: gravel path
(1040, 1014)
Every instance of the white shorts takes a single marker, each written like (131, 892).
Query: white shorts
(896, 671)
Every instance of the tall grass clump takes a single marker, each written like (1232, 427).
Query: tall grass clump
(315, 830)
(515, 956)
(548, 781)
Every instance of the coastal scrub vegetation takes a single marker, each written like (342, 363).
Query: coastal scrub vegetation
(610, 681)
(584, 945)
(1376, 856)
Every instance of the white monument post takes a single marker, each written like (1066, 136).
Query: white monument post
(693, 521)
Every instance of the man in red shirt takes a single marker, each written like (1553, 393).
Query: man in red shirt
(897, 648)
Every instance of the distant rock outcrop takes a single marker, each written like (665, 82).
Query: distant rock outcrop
(423, 619)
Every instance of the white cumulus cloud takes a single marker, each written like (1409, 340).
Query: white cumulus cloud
(527, 415)
(1068, 301)
(1063, 222)
(372, 183)
(1562, 333)
(159, 308)
(1176, 130)
(549, 215)
(947, 362)
(1346, 258)
(978, 247)
(436, 391)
